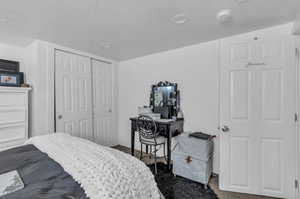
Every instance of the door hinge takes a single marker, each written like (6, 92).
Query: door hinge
(296, 117)
(296, 184)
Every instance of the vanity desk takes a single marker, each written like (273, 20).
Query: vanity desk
(167, 127)
(164, 102)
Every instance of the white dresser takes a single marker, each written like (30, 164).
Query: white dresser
(13, 116)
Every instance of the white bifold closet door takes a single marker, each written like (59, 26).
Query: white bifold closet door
(102, 102)
(73, 90)
(84, 97)
(257, 116)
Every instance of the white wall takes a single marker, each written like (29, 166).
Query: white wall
(194, 68)
(14, 53)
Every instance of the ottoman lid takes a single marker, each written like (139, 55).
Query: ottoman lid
(202, 149)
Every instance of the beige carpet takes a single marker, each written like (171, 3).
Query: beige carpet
(213, 182)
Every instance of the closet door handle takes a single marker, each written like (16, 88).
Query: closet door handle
(60, 117)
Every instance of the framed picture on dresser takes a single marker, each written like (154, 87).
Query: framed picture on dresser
(14, 79)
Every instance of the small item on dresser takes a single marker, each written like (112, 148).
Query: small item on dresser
(10, 182)
(25, 85)
(202, 136)
(9, 66)
(11, 79)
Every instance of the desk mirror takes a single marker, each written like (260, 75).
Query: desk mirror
(164, 99)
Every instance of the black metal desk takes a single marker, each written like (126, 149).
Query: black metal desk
(166, 128)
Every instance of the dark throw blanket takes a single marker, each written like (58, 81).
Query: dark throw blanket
(43, 177)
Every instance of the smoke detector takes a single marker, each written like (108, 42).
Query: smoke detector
(224, 16)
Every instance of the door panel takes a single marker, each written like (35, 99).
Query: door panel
(239, 171)
(239, 82)
(271, 164)
(272, 95)
(102, 102)
(258, 104)
(239, 53)
(73, 94)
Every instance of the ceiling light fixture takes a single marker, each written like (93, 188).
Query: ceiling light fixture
(224, 16)
(179, 19)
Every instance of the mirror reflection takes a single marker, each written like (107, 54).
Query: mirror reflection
(165, 99)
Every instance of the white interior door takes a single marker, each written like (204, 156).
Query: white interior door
(73, 94)
(257, 116)
(102, 102)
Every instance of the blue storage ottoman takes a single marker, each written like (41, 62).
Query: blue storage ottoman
(192, 158)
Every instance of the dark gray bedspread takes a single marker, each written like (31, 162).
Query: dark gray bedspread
(42, 176)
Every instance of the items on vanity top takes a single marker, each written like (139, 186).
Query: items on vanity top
(142, 110)
(145, 110)
(192, 158)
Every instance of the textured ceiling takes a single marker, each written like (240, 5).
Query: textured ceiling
(124, 29)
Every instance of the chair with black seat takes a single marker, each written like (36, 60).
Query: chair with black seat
(149, 136)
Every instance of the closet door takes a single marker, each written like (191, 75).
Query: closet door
(257, 116)
(73, 94)
(102, 102)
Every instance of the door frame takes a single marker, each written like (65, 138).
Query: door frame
(297, 131)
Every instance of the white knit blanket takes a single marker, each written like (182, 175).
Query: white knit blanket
(103, 173)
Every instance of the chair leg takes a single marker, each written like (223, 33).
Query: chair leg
(150, 156)
(155, 163)
(141, 152)
(165, 152)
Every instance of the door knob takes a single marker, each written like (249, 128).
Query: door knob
(109, 110)
(225, 128)
(60, 117)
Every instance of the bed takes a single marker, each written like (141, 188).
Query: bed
(62, 166)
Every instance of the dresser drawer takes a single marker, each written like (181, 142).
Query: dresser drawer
(12, 99)
(12, 133)
(8, 116)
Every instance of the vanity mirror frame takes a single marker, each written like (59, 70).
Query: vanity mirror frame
(166, 110)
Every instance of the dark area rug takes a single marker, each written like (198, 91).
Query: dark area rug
(179, 188)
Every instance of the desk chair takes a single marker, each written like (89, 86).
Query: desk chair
(149, 136)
